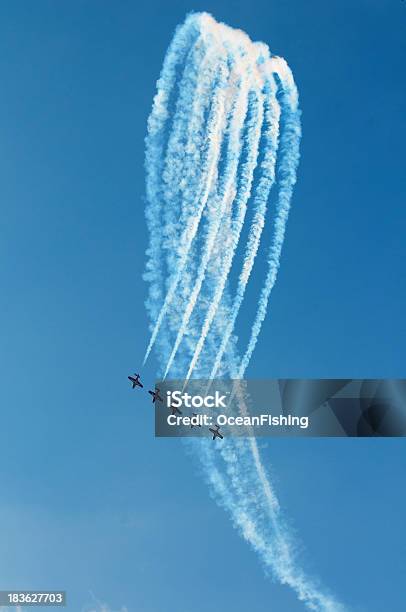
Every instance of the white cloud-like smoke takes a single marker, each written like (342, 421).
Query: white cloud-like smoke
(223, 136)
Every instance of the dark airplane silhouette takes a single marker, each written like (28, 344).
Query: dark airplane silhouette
(215, 432)
(135, 381)
(155, 395)
(175, 410)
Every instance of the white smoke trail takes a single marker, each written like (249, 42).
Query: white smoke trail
(197, 208)
(289, 148)
(154, 147)
(214, 133)
(266, 181)
(247, 173)
(261, 528)
(194, 89)
(227, 192)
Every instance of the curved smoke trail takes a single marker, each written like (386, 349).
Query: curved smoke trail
(223, 135)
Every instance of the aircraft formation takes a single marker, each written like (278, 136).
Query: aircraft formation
(136, 382)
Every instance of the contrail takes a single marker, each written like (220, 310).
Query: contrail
(154, 147)
(289, 148)
(247, 172)
(223, 138)
(214, 133)
(227, 192)
(265, 183)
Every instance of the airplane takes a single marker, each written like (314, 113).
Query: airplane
(215, 432)
(155, 395)
(198, 425)
(135, 381)
(175, 410)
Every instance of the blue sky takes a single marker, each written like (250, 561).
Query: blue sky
(91, 502)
